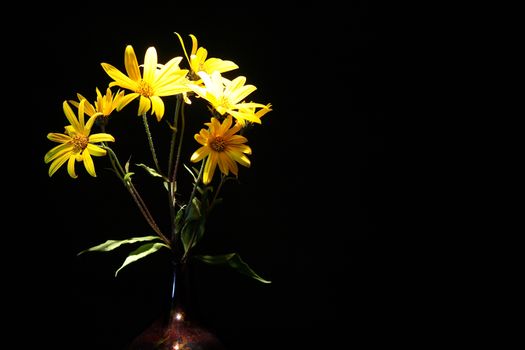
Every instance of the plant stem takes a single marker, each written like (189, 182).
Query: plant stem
(119, 170)
(150, 141)
(173, 136)
(179, 148)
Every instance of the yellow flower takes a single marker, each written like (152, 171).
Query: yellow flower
(199, 62)
(77, 144)
(225, 96)
(104, 104)
(259, 114)
(153, 84)
(221, 146)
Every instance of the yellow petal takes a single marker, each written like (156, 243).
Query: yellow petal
(200, 153)
(240, 148)
(168, 70)
(120, 79)
(71, 117)
(157, 106)
(216, 64)
(100, 137)
(232, 166)
(150, 65)
(209, 168)
(57, 152)
(71, 167)
(238, 157)
(131, 64)
(223, 165)
(144, 105)
(125, 100)
(57, 137)
(95, 150)
(88, 163)
(183, 47)
(57, 163)
(240, 94)
(225, 125)
(237, 140)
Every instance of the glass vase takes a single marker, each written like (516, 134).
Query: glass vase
(177, 328)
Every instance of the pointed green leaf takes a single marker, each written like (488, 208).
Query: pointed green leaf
(112, 244)
(141, 252)
(194, 175)
(192, 233)
(178, 218)
(151, 171)
(233, 260)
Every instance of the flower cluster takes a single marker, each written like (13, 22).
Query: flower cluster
(221, 141)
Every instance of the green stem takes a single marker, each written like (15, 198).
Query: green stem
(194, 190)
(179, 148)
(174, 134)
(197, 182)
(150, 141)
(119, 170)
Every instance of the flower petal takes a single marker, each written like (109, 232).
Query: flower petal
(71, 117)
(157, 106)
(150, 65)
(100, 137)
(200, 153)
(144, 105)
(71, 167)
(209, 167)
(95, 150)
(57, 152)
(131, 64)
(88, 163)
(57, 163)
(120, 79)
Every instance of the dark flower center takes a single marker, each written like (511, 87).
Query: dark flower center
(218, 144)
(79, 142)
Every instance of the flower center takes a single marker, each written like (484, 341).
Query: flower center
(145, 89)
(79, 142)
(218, 144)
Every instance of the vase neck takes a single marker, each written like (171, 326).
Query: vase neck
(180, 297)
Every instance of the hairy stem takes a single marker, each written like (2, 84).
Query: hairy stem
(150, 141)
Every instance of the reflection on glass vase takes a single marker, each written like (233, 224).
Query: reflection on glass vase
(177, 329)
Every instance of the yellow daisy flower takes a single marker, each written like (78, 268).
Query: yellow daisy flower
(105, 104)
(76, 144)
(226, 95)
(199, 61)
(221, 146)
(152, 84)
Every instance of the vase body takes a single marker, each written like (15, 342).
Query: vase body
(177, 328)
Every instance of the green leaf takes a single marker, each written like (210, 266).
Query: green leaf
(141, 252)
(179, 218)
(127, 177)
(232, 260)
(112, 244)
(192, 233)
(193, 173)
(151, 171)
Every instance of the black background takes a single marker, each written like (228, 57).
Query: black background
(306, 215)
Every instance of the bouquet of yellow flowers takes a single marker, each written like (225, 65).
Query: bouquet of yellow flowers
(220, 142)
